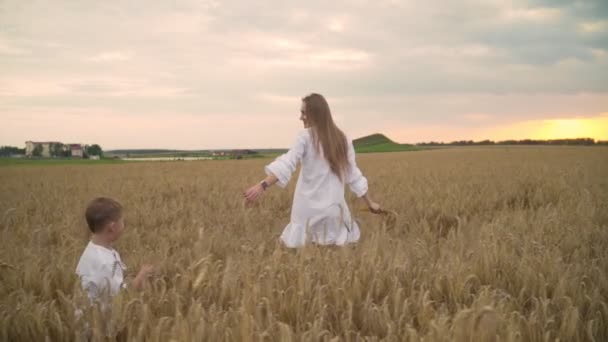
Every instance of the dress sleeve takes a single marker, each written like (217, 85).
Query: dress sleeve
(354, 178)
(284, 166)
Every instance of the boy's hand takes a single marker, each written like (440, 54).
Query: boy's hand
(146, 271)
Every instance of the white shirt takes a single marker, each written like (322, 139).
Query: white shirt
(319, 212)
(100, 269)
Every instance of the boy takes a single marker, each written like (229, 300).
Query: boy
(100, 268)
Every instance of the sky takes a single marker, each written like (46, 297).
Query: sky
(231, 74)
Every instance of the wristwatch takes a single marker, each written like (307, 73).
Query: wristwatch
(264, 185)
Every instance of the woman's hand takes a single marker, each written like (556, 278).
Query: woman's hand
(374, 207)
(252, 194)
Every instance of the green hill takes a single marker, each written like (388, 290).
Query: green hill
(379, 143)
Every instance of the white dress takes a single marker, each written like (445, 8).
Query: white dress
(319, 212)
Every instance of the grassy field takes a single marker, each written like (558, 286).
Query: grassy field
(489, 244)
(264, 153)
(54, 162)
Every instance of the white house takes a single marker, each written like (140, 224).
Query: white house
(46, 148)
(75, 150)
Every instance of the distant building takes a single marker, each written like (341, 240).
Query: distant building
(73, 150)
(46, 148)
(76, 150)
(94, 157)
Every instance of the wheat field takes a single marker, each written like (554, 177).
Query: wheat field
(487, 244)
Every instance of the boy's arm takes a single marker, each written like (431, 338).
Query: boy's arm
(144, 273)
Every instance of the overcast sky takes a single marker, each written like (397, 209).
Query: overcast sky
(223, 74)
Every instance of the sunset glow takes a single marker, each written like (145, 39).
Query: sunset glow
(574, 128)
(594, 128)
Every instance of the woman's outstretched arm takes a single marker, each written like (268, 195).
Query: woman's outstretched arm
(280, 170)
(254, 192)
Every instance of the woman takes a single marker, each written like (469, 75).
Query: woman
(319, 213)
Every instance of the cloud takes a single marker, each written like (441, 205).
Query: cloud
(111, 56)
(594, 27)
(7, 49)
(532, 14)
(461, 63)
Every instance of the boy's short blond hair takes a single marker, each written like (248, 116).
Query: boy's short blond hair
(101, 211)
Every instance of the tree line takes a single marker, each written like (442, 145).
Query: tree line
(576, 142)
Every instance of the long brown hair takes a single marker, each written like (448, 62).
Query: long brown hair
(326, 135)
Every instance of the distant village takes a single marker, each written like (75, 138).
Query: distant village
(57, 149)
(53, 149)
